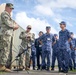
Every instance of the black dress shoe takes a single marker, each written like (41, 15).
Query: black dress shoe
(74, 68)
(65, 72)
(52, 69)
(48, 69)
(43, 68)
(71, 69)
(33, 68)
(61, 71)
(38, 68)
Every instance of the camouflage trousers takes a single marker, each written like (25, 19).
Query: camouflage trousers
(27, 55)
(21, 58)
(4, 49)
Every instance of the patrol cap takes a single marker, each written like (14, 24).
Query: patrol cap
(71, 33)
(62, 23)
(10, 5)
(48, 27)
(29, 26)
(55, 35)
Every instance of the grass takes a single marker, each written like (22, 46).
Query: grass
(73, 71)
(2, 72)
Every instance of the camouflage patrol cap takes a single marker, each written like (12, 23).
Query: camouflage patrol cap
(29, 26)
(10, 5)
(48, 27)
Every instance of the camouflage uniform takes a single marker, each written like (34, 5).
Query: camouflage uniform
(6, 28)
(47, 39)
(68, 48)
(26, 44)
(73, 52)
(63, 37)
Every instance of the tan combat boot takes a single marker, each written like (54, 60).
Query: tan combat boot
(21, 68)
(27, 68)
(3, 68)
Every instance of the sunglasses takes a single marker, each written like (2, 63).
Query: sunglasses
(29, 28)
(11, 8)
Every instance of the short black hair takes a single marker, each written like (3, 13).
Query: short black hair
(71, 33)
(40, 32)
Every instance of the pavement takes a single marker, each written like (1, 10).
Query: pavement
(35, 72)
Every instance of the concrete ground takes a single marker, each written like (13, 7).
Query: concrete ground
(37, 73)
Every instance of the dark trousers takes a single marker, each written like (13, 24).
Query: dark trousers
(64, 59)
(38, 55)
(73, 58)
(70, 59)
(46, 55)
(33, 58)
(55, 55)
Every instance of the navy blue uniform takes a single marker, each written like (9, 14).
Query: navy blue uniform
(46, 49)
(68, 48)
(38, 46)
(33, 55)
(63, 38)
(73, 52)
(55, 54)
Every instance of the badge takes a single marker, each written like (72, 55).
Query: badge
(40, 45)
(48, 39)
(32, 43)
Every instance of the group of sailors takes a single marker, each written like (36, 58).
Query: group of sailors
(49, 46)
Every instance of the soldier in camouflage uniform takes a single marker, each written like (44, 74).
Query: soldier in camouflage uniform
(27, 38)
(6, 28)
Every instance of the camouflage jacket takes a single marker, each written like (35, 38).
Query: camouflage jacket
(24, 36)
(63, 38)
(6, 23)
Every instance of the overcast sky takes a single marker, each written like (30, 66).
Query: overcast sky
(42, 13)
